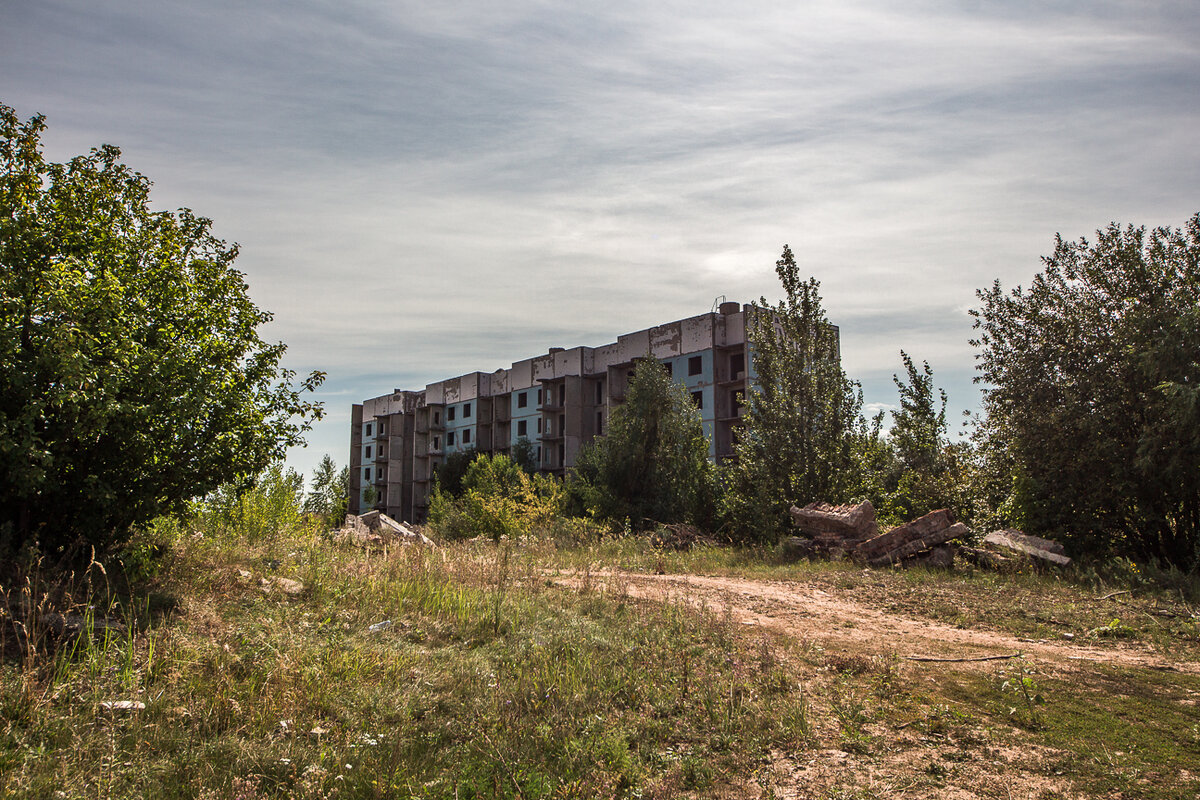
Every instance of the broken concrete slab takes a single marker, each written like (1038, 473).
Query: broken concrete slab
(909, 548)
(986, 558)
(846, 522)
(939, 557)
(377, 528)
(1039, 550)
(929, 530)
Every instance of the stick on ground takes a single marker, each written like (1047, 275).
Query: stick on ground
(976, 658)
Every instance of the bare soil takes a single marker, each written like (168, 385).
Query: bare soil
(808, 613)
(962, 761)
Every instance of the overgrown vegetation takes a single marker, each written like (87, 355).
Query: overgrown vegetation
(1092, 392)
(531, 670)
(803, 415)
(496, 499)
(652, 465)
(135, 379)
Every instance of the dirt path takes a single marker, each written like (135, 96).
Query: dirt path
(808, 613)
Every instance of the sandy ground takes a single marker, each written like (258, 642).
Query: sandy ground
(808, 613)
(1008, 766)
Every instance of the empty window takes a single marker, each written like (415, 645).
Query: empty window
(698, 399)
(450, 439)
(539, 397)
(467, 436)
(599, 422)
(599, 392)
(450, 414)
(466, 410)
(539, 424)
(670, 368)
(695, 365)
(368, 429)
(737, 364)
(522, 399)
(437, 443)
(437, 418)
(367, 474)
(368, 455)
(562, 395)
(522, 427)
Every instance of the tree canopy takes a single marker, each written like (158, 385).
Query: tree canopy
(1092, 392)
(804, 417)
(134, 375)
(652, 466)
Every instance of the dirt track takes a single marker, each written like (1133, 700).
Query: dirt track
(808, 613)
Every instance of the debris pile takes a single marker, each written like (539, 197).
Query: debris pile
(377, 528)
(834, 532)
(831, 531)
(923, 540)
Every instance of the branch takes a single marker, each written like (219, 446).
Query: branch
(977, 658)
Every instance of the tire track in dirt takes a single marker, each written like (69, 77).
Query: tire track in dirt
(803, 612)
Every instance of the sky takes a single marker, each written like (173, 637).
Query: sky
(420, 190)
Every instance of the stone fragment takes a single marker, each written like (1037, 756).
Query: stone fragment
(1042, 551)
(936, 527)
(123, 705)
(843, 522)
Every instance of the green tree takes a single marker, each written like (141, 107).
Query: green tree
(929, 469)
(450, 473)
(1091, 380)
(134, 376)
(803, 429)
(524, 455)
(919, 427)
(652, 466)
(498, 499)
(330, 493)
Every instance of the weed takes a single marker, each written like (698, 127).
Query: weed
(1023, 695)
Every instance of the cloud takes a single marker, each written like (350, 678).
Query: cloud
(424, 189)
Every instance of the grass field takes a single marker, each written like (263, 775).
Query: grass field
(537, 671)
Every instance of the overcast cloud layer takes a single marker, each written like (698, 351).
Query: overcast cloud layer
(424, 189)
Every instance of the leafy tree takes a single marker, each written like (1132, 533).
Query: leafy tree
(804, 426)
(498, 499)
(450, 473)
(524, 455)
(134, 375)
(274, 504)
(1091, 392)
(919, 427)
(330, 493)
(652, 466)
(929, 470)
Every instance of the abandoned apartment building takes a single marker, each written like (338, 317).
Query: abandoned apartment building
(558, 401)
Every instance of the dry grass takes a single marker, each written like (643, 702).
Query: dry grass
(491, 680)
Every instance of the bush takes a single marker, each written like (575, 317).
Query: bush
(498, 500)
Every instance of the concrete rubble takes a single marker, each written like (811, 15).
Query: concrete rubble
(1032, 548)
(834, 532)
(831, 531)
(377, 528)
